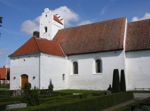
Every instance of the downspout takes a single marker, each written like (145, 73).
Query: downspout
(39, 61)
(39, 70)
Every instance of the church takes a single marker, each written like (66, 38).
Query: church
(83, 57)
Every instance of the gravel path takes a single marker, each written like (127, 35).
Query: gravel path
(120, 105)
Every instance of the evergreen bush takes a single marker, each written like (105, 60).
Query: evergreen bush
(27, 87)
(86, 104)
(145, 108)
(50, 87)
(115, 82)
(122, 82)
(137, 110)
(31, 97)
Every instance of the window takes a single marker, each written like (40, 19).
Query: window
(63, 76)
(45, 29)
(75, 67)
(98, 66)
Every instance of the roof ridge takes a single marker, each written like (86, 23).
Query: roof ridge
(103, 21)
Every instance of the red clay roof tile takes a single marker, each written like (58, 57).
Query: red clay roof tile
(97, 37)
(37, 45)
(3, 73)
(138, 35)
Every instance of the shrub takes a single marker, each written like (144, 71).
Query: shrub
(145, 108)
(6, 93)
(137, 110)
(27, 86)
(115, 83)
(87, 104)
(31, 97)
(50, 87)
(122, 82)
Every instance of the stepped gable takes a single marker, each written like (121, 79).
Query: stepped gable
(138, 35)
(36, 45)
(97, 37)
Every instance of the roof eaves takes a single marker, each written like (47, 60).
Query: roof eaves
(94, 52)
(136, 50)
(23, 54)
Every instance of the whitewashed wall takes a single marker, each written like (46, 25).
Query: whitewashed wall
(87, 78)
(53, 67)
(28, 65)
(138, 69)
(47, 20)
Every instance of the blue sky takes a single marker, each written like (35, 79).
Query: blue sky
(21, 17)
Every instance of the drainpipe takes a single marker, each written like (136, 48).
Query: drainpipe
(39, 70)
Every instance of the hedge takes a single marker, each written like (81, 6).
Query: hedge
(88, 104)
(6, 93)
(122, 82)
(135, 105)
(115, 82)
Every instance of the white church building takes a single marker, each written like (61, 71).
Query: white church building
(83, 57)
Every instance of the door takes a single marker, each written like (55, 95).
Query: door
(24, 79)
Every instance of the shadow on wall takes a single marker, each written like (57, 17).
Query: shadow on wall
(137, 54)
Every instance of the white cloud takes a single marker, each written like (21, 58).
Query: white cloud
(103, 11)
(85, 22)
(68, 15)
(146, 16)
(29, 26)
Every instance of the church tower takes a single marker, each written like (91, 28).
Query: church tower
(50, 24)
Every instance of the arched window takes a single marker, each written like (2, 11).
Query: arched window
(45, 29)
(75, 67)
(63, 76)
(98, 64)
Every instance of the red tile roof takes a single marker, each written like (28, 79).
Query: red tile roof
(36, 45)
(3, 73)
(97, 37)
(138, 35)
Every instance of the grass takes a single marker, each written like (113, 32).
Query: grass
(78, 91)
(71, 91)
(61, 97)
(4, 87)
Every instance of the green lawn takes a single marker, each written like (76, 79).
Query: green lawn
(64, 100)
(58, 97)
(4, 87)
